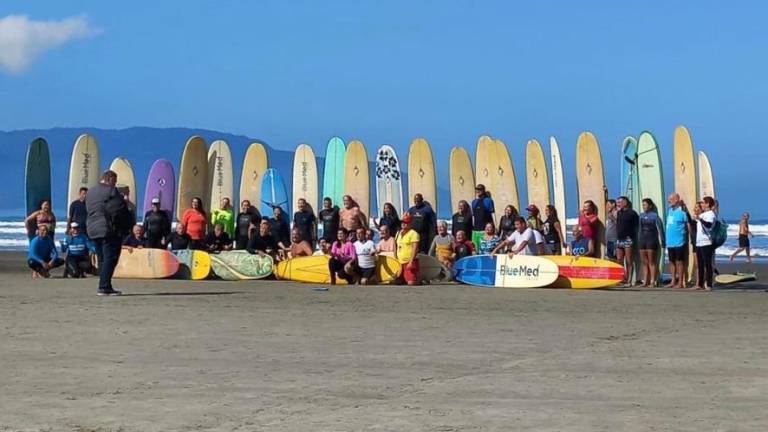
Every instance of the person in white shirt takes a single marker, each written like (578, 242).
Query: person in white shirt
(364, 266)
(521, 242)
(539, 240)
(705, 251)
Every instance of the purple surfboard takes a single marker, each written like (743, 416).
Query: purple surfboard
(161, 183)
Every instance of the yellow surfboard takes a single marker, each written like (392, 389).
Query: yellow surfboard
(462, 177)
(558, 185)
(305, 176)
(505, 181)
(126, 181)
(536, 175)
(193, 264)
(356, 178)
(84, 168)
(220, 182)
(421, 173)
(314, 269)
(585, 272)
(254, 165)
(706, 179)
(193, 174)
(591, 181)
(484, 162)
(685, 178)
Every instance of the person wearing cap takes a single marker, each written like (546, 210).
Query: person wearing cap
(423, 221)
(482, 213)
(407, 242)
(78, 248)
(157, 226)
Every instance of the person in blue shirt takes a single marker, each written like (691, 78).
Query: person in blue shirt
(676, 234)
(78, 248)
(42, 255)
(581, 246)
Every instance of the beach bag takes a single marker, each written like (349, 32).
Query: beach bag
(718, 233)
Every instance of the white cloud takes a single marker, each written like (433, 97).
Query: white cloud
(23, 40)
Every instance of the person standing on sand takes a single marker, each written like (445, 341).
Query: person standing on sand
(351, 217)
(77, 212)
(611, 236)
(108, 221)
(328, 217)
(225, 216)
(650, 242)
(280, 228)
(553, 232)
(407, 251)
(424, 222)
(705, 250)
(462, 220)
(507, 222)
(677, 240)
(390, 219)
(194, 220)
(157, 226)
(247, 220)
(744, 235)
(305, 220)
(482, 214)
(627, 223)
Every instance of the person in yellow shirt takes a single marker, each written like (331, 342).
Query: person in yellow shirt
(407, 248)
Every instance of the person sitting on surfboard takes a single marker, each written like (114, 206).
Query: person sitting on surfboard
(407, 250)
(388, 219)
(262, 241)
(135, 239)
(38, 218)
(299, 247)
(225, 216)
(247, 221)
(482, 213)
(442, 245)
(218, 240)
(489, 240)
(581, 246)
(304, 219)
(194, 220)
(462, 247)
(520, 242)
(351, 217)
(342, 252)
(363, 267)
(179, 239)
(386, 241)
(554, 240)
(42, 255)
(462, 220)
(424, 221)
(329, 219)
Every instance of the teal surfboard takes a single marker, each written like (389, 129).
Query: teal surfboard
(274, 194)
(630, 189)
(651, 179)
(37, 178)
(333, 172)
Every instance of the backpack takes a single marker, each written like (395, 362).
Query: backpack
(117, 214)
(718, 233)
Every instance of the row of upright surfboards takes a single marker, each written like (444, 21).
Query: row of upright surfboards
(207, 172)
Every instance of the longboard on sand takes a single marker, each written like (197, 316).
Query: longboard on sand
(37, 176)
(706, 179)
(585, 272)
(241, 265)
(685, 178)
(519, 271)
(314, 269)
(738, 277)
(193, 264)
(146, 263)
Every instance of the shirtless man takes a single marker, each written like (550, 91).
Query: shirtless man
(744, 235)
(351, 216)
(386, 242)
(299, 247)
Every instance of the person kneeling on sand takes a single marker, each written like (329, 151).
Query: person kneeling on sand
(299, 247)
(323, 247)
(462, 247)
(78, 248)
(42, 255)
(442, 245)
(342, 252)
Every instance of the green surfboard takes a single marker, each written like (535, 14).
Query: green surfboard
(651, 179)
(333, 172)
(241, 265)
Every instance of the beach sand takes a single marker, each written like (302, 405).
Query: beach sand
(278, 356)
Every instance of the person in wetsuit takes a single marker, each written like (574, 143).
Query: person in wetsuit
(328, 219)
(650, 241)
(482, 214)
(247, 220)
(424, 222)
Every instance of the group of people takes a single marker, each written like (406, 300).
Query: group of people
(101, 223)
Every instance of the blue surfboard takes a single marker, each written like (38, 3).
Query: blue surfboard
(519, 271)
(274, 194)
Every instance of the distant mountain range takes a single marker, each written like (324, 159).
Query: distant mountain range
(141, 146)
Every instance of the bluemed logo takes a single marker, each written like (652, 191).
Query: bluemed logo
(519, 271)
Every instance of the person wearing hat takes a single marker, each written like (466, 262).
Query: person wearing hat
(78, 248)
(407, 242)
(482, 213)
(157, 226)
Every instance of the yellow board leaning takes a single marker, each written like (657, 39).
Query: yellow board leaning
(254, 165)
(193, 174)
(356, 178)
(421, 173)
(591, 181)
(305, 176)
(462, 177)
(536, 175)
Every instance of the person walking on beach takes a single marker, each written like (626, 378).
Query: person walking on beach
(676, 231)
(157, 226)
(195, 221)
(744, 235)
(650, 242)
(77, 212)
(42, 255)
(627, 222)
(482, 214)
(108, 221)
(705, 250)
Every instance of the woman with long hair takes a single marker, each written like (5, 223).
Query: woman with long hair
(195, 222)
(389, 218)
(552, 229)
(507, 221)
(342, 253)
(43, 216)
(650, 242)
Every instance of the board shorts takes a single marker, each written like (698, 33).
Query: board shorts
(365, 273)
(743, 241)
(610, 249)
(625, 243)
(678, 254)
(411, 271)
(553, 249)
(476, 237)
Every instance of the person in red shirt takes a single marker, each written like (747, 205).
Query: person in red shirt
(588, 220)
(195, 221)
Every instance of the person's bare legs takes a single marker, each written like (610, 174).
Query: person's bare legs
(749, 256)
(644, 267)
(682, 272)
(673, 274)
(653, 268)
(736, 252)
(620, 259)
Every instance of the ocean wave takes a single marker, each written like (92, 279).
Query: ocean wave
(14, 243)
(755, 252)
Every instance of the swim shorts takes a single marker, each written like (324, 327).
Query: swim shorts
(411, 271)
(743, 241)
(678, 254)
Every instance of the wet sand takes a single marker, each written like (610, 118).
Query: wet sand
(177, 355)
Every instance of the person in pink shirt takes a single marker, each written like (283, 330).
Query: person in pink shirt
(342, 254)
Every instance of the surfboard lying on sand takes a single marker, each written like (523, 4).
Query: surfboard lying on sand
(193, 264)
(146, 263)
(314, 269)
(241, 265)
(585, 272)
(519, 271)
(732, 278)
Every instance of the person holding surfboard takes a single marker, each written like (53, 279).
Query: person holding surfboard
(424, 221)
(462, 220)
(407, 250)
(705, 249)
(482, 214)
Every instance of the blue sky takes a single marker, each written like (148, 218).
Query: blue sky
(386, 72)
